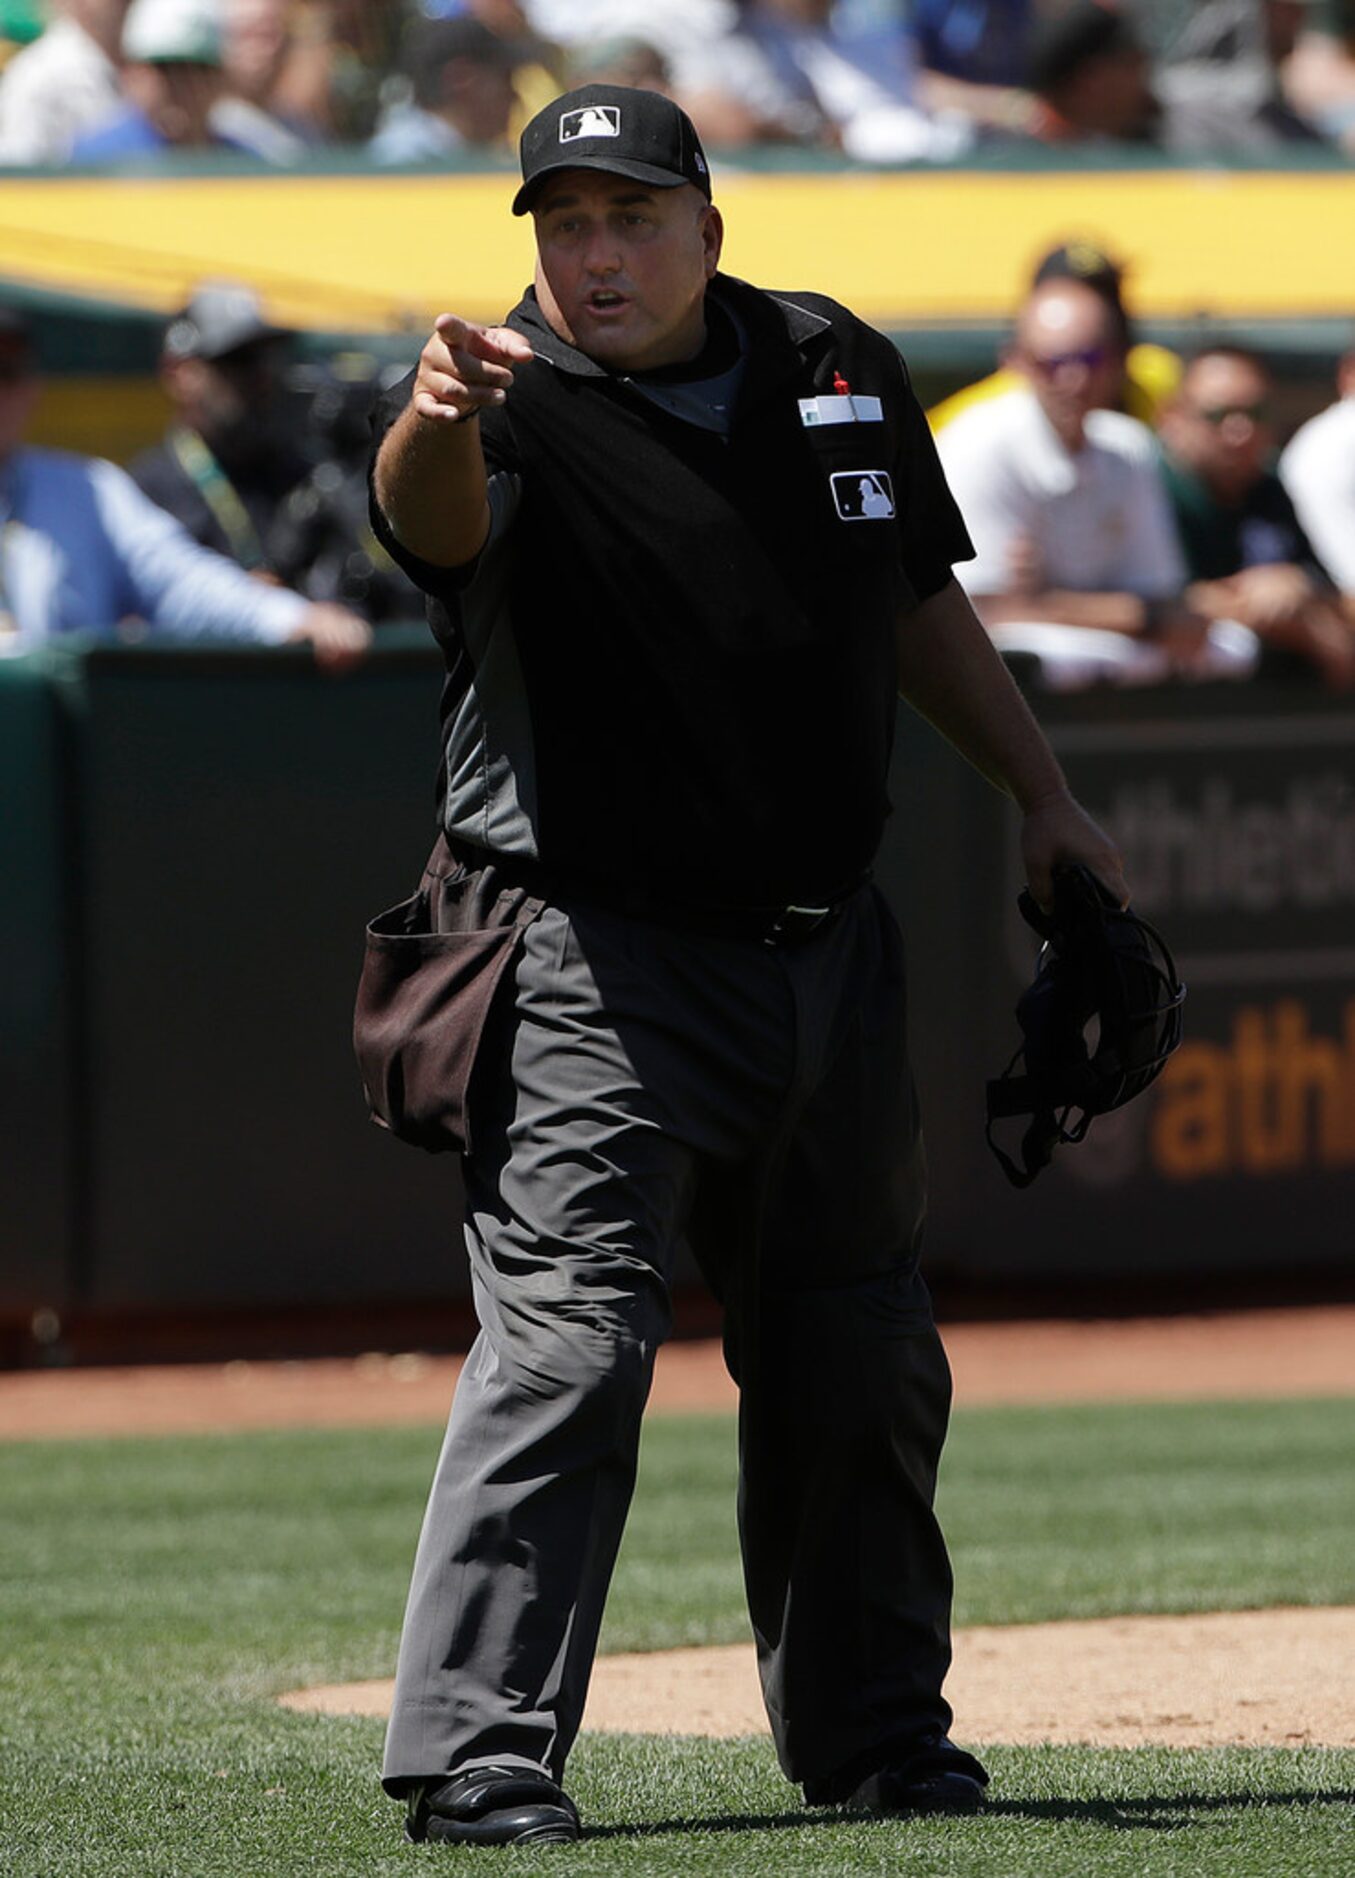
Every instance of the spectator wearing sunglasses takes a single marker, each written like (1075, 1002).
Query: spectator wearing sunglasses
(1078, 564)
(1151, 373)
(1246, 551)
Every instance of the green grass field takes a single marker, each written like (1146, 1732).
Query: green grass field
(156, 1594)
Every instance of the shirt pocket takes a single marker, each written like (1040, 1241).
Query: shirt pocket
(857, 489)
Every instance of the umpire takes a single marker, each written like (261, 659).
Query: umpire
(683, 542)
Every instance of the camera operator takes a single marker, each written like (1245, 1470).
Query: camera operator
(263, 461)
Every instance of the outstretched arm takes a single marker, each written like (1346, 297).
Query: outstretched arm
(950, 673)
(430, 472)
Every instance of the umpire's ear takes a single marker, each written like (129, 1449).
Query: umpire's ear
(712, 233)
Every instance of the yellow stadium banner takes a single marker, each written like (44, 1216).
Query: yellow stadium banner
(382, 253)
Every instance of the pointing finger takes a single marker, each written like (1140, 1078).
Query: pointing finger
(496, 344)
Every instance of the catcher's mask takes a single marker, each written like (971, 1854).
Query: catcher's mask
(1097, 1024)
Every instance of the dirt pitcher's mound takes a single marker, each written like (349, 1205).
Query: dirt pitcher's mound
(1253, 1678)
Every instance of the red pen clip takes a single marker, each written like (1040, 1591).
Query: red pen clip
(840, 386)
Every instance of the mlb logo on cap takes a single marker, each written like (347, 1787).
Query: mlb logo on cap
(597, 120)
(619, 130)
(863, 495)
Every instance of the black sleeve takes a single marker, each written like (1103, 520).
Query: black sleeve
(157, 474)
(496, 442)
(932, 529)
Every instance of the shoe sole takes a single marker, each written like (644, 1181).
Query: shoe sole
(488, 1832)
(535, 1835)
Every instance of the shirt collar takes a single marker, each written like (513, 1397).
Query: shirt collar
(774, 325)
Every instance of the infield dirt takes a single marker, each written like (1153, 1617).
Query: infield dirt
(1308, 1351)
(1256, 1677)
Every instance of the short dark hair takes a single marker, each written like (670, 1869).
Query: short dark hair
(1088, 29)
(429, 45)
(1224, 349)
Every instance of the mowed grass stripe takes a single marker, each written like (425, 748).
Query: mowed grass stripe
(155, 1594)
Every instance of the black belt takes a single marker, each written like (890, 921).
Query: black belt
(771, 925)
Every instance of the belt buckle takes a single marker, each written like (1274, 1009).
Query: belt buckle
(794, 923)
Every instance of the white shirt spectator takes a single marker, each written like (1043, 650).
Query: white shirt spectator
(240, 122)
(691, 34)
(53, 92)
(855, 81)
(1099, 517)
(1318, 470)
(408, 134)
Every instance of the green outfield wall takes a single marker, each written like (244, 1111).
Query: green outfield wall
(40, 1179)
(1235, 808)
(190, 845)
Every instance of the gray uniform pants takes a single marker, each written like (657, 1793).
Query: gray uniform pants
(637, 1086)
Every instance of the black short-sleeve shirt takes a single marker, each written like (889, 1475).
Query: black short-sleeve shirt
(675, 666)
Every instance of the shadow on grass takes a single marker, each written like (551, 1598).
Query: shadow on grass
(1174, 1812)
(1166, 1812)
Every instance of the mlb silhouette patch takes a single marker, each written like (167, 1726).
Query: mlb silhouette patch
(863, 495)
(594, 120)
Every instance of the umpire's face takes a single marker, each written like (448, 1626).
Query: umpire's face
(622, 267)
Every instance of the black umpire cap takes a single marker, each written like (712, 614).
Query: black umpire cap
(615, 128)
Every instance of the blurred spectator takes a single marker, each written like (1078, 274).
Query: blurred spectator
(686, 32)
(64, 84)
(1089, 74)
(974, 57)
(1151, 373)
(462, 98)
(1318, 471)
(338, 73)
(540, 69)
(171, 79)
(1067, 511)
(246, 471)
(256, 46)
(709, 69)
(1318, 77)
(808, 72)
(1217, 76)
(626, 59)
(1246, 551)
(83, 550)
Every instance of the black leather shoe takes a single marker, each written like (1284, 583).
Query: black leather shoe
(492, 1806)
(927, 1776)
(890, 1791)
